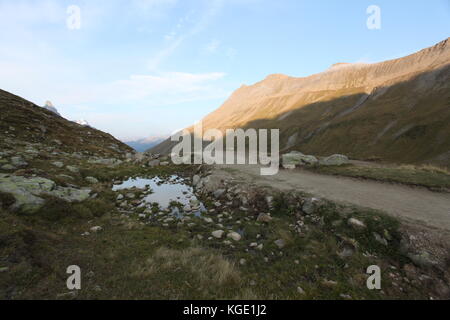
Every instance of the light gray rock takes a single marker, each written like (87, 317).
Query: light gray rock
(96, 229)
(72, 169)
(217, 234)
(91, 180)
(235, 236)
(154, 163)
(357, 224)
(380, 239)
(280, 243)
(27, 192)
(58, 164)
(264, 217)
(298, 159)
(422, 259)
(335, 160)
(218, 193)
(195, 180)
(309, 207)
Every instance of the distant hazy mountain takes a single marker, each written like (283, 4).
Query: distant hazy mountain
(50, 107)
(144, 144)
(397, 110)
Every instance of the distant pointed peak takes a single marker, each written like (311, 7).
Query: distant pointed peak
(48, 103)
(83, 123)
(50, 107)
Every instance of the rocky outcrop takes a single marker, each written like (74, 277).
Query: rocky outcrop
(27, 192)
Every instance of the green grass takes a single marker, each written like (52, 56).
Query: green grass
(429, 177)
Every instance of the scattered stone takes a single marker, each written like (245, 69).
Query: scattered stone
(309, 207)
(91, 180)
(120, 197)
(218, 234)
(357, 224)
(264, 217)
(280, 243)
(130, 195)
(58, 164)
(154, 163)
(235, 236)
(195, 180)
(300, 290)
(422, 259)
(96, 229)
(72, 169)
(242, 262)
(218, 193)
(380, 239)
(329, 283)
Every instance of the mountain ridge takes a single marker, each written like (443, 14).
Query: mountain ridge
(362, 99)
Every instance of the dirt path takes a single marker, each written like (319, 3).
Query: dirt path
(411, 204)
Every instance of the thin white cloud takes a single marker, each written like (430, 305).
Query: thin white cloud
(212, 47)
(212, 9)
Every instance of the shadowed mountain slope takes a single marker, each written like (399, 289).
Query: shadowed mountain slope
(397, 110)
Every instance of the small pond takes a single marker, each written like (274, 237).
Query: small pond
(165, 192)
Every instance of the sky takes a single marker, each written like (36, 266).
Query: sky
(141, 68)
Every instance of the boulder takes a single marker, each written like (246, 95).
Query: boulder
(334, 160)
(27, 192)
(297, 159)
(154, 163)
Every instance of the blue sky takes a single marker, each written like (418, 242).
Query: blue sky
(139, 68)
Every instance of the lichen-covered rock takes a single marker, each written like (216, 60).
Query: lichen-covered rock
(27, 192)
(91, 180)
(298, 159)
